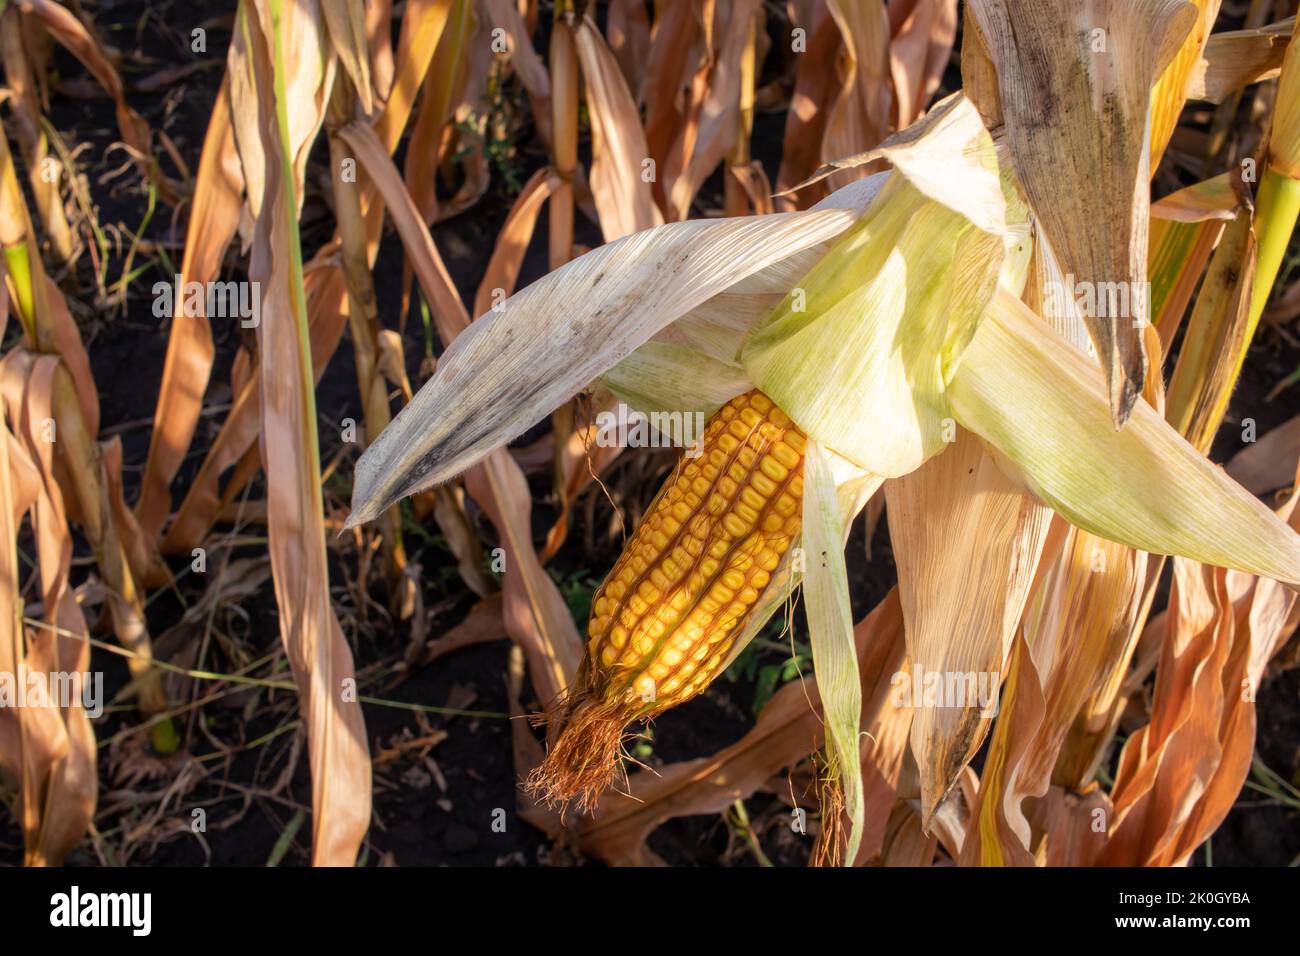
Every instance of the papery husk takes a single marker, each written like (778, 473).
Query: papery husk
(859, 352)
(966, 540)
(1041, 403)
(830, 629)
(1084, 607)
(514, 365)
(1074, 83)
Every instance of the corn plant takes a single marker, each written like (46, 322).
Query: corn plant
(975, 313)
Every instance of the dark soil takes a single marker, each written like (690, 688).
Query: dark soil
(435, 811)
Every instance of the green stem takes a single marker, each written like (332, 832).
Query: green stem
(1277, 207)
(20, 271)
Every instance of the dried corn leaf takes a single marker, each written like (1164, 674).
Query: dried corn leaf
(1233, 60)
(327, 301)
(713, 132)
(214, 217)
(1284, 135)
(628, 27)
(618, 186)
(512, 241)
(1077, 624)
(287, 111)
(966, 541)
(1270, 462)
(1075, 84)
(1171, 90)
(859, 118)
(815, 83)
(69, 784)
(1185, 227)
(32, 737)
(422, 29)
(536, 616)
(523, 59)
(1218, 334)
(923, 32)
(444, 85)
(347, 35)
(64, 26)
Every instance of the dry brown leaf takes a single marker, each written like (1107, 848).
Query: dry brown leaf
(919, 50)
(966, 541)
(462, 539)
(676, 82)
(907, 843)
(628, 27)
(313, 640)
(523, 59)
(1235, 59)
(347, 35)
(536, 615)
(1179, 776)
(1085, 606)
(1171, 90)
(379, 40)
(1270, 462)
(1217, 337)
(1074, 83)
(444, 86)
(32, 737)
(72, 33)
(483, 624)
(581, 460)
(706, 140)
(21, 67)
(214, 217)
(859, 118)
(1166, 768)
(326, 308)
(502, 272)
(757, 190)
(1073, 826)
(68, 782)
(618, 185)
(1185, 227)
(815, 84)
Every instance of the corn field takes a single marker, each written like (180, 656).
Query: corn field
(650, 432)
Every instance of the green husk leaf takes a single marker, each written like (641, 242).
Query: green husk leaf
(663, 377)
(830, 627)
(1044, 405)
(860, 351)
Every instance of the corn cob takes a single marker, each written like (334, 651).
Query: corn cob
(665, 619)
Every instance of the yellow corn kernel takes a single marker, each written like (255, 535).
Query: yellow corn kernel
(668, 614)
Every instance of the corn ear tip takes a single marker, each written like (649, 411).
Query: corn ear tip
(582, 761)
